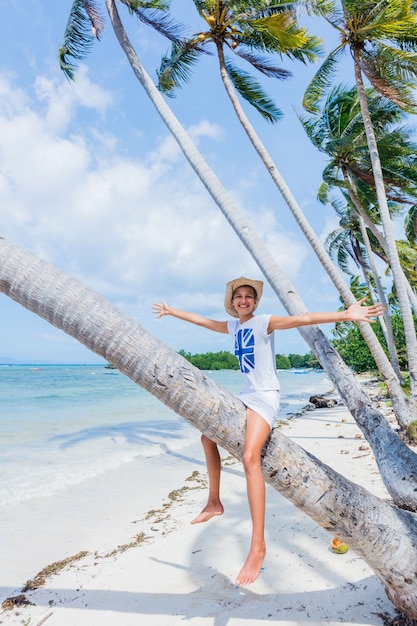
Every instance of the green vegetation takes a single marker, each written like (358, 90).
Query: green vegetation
(306, 360)
(227, 361)
(282, 362)
(412, 431)
(212, 360)
(353, 349)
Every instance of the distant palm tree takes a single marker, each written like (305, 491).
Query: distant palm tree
(86, 23)
(340, 134)
(247, 31)
(381, 36)
(351, 240)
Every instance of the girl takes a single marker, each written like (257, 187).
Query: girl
(254, 348)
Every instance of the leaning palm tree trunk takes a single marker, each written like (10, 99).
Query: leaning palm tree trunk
(380, 237)
(364, 220)
(409, 329)
(400, 481)
(368, 276)
(381, 534)
(412, 296)
(388, 330)
(385, 367)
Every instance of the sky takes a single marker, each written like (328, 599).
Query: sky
(92, 181)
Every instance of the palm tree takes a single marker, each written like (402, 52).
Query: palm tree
(379, 246)
(351, 240)
(339, 133)
(242, 30)
(382, 38)
(247, 31)
(86, 23)
(334, 502)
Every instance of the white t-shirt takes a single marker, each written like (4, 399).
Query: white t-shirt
(255, 351)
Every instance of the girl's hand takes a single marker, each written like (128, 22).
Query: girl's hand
(358, 313)
(160, 309)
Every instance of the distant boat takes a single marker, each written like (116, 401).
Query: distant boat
(303, 371)
(110, 366)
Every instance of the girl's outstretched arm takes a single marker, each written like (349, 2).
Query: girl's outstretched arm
(355, 313)
(160, 310)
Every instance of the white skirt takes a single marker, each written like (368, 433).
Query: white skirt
(265, 403)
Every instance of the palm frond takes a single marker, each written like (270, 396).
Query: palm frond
(337, 245)
(263, 65)
(321, 81)
(175, 70)
(323, 193)
(407, 252)
(333, 176)
(251, 91)
(319, 8)
(342, 207)
(313, 131)
(386, 75)
(84, 25)
(343, 121)
(410, 224)
(205, 5)
(401, 64)
(282, 34)
(261, 8)
(394, 21)
(96, 18)
(160, 5)
(162, 23)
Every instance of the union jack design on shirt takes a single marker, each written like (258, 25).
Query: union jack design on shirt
(245, 349)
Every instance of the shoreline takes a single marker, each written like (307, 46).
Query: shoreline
(148, 561)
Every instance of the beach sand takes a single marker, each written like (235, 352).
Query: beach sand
(146, 565)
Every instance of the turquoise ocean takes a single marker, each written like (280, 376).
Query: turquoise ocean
(63, 424)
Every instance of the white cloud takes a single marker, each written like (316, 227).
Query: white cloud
(61, 98)
(205, 129)
(168, 150)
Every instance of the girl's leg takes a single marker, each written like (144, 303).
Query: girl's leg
(257, 432)
(214, 505)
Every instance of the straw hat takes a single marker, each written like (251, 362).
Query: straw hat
(231, 287)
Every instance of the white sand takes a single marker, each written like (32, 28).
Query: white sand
(184, 573)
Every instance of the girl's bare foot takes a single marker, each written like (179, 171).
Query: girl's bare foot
(252, 567)
(208, 512)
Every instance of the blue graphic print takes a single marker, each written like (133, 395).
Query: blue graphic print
(245, 349)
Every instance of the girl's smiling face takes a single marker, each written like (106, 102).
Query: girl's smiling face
(244, 301)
